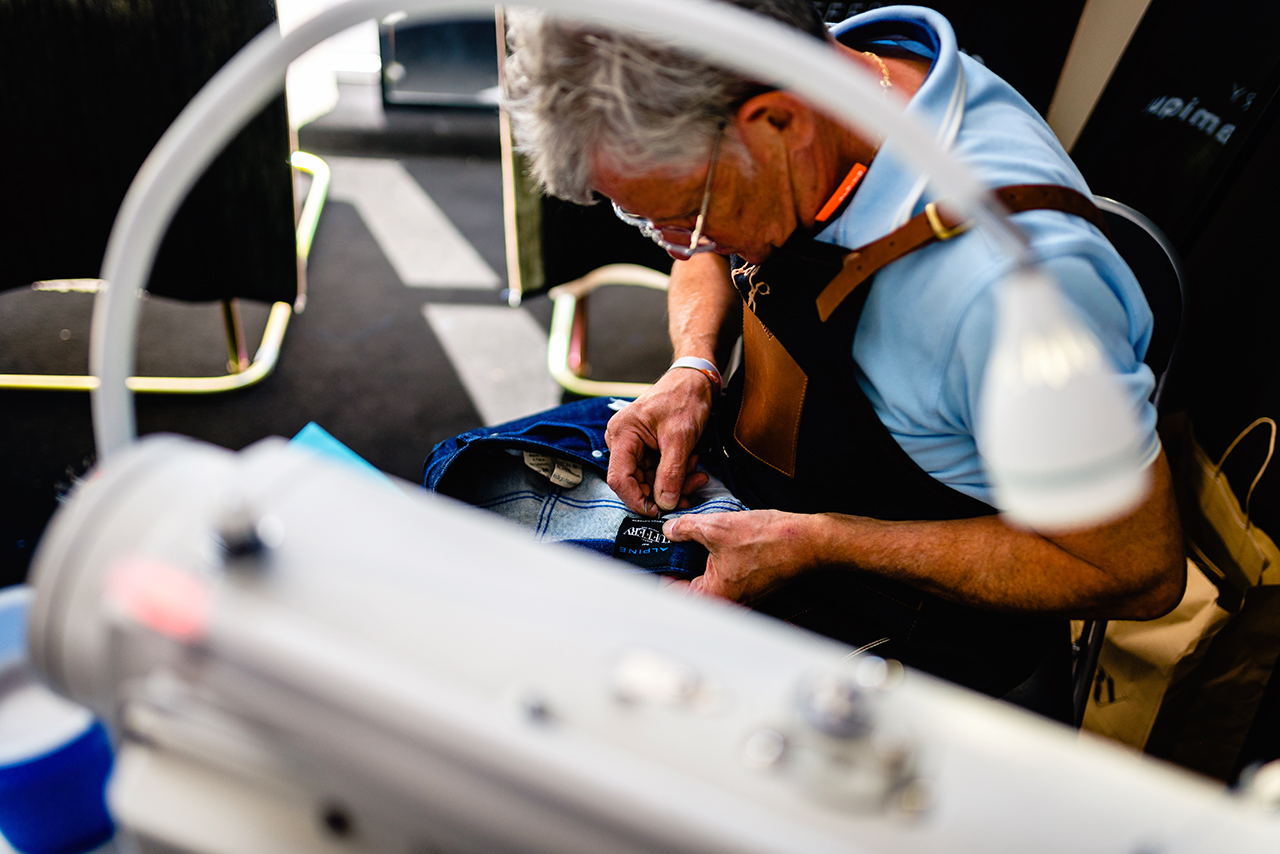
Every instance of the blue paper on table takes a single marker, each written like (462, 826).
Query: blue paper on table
(315, 438)
(14, 603)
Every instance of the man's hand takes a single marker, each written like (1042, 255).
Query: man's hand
(1128, 569)
(651, 464)
(651, 461)
(752, 552)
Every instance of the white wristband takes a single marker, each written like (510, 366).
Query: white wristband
(708, 369)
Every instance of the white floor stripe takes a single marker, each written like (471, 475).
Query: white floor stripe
(500, 354)
(422, 245)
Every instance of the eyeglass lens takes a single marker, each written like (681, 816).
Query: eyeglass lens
(688, 242)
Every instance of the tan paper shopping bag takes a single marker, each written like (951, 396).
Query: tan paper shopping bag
(1140, 660)
(1227, 556)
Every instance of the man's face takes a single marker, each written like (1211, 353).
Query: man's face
(747, 216)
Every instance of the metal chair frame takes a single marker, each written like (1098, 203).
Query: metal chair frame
(567, 344)
(241, 371)
(1086, 648)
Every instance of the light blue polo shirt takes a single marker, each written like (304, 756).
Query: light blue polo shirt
(925, 334)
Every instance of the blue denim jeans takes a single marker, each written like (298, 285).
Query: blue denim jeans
(486, 467)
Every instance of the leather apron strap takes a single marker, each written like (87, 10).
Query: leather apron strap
(933, 225)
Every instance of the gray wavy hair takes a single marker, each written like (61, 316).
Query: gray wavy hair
(575, 92)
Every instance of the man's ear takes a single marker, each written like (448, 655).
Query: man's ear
(775, 116)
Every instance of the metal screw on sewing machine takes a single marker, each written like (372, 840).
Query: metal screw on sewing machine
(337, 820)
(845, 751)
(535, 709)
(836, 706)
(645, 677)
(242, 533)
(764, 748)
(1260, 784)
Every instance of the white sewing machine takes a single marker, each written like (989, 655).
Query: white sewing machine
(297, 656)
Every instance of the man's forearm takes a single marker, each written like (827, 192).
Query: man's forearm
(703, 307)
(981, 562)
(1132, 568)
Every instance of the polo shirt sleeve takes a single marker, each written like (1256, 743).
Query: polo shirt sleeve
(1115, 312)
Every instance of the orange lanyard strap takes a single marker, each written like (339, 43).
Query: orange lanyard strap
(847, 186)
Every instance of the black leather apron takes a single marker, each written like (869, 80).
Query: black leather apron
(795, 432)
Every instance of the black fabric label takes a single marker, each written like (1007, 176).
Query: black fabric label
(641, 542)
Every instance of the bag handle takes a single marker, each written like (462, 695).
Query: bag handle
(1271, 449)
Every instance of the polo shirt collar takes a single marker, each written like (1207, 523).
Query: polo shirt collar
(891, 188)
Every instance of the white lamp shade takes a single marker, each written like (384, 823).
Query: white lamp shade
(1058, 435)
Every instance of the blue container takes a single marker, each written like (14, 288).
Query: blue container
(54, 758)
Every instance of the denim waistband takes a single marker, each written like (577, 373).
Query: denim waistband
(486, 468)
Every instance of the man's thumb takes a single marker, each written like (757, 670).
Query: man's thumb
(668, 482)
(681, 528)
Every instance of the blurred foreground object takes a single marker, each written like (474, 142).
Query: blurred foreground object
(277, 684)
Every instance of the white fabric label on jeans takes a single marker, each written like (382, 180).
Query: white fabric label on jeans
(566, 474)
(561, 473)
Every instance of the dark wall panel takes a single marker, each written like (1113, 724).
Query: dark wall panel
(1228, 370)
(1183, 110)
(1187, 132)
(448, 63)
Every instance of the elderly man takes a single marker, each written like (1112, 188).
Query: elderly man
(849, 427)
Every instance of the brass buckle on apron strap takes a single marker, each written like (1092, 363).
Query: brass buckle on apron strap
(939, 227)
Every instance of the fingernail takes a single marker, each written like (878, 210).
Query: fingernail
(667, 500)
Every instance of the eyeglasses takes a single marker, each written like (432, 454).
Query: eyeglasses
(681, 242)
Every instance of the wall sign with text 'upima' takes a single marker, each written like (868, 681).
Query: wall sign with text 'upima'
(1185, 106)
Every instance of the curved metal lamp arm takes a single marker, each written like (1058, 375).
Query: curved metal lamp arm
(725, 35)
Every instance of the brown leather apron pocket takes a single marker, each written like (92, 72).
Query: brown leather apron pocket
(768, 425)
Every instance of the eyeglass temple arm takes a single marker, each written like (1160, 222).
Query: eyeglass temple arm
(706, 194)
